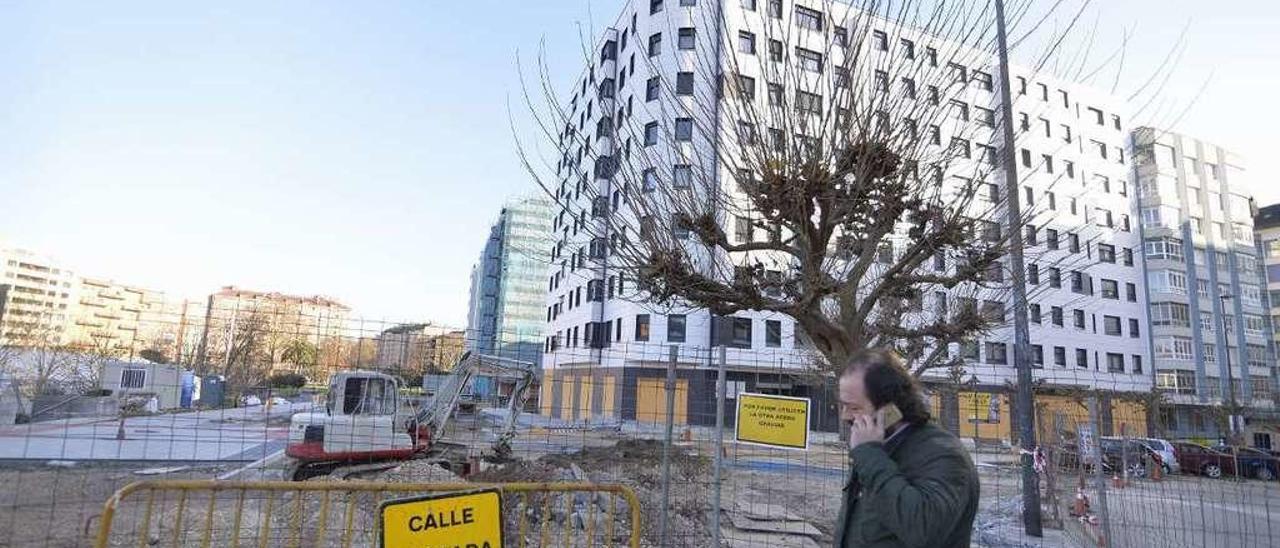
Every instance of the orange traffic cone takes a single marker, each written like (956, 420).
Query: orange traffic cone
(1081, 505)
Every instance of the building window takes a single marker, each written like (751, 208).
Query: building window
(686, 38)
(746, 42)
(1055, 316)
(649, 180)
(684, 129)
(808, 103)
(880, 40)
(675, 328)
(651, 133)
(1060, 356)
(1110, 289)
(809, 60)
(773, 333)
(1111, 325)
(642, 327)
(651, 89)
(1082, 358)
(1115, 363)
(1078, 316)
(1107, 253)
(808, 19)
(655, 44)
(684, 83)
(1133, 328)
(682, 176)
(133, 378)
(997, 353)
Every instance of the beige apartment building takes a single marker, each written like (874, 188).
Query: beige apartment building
(292, 333)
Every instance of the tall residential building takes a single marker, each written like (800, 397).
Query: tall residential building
(1209, 324)
(39, 296)
(1266, 226)
(605, 350)
(508, 284)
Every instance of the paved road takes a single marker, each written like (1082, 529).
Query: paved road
(230, 435)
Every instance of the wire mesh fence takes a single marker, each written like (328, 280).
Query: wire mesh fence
(711, 458)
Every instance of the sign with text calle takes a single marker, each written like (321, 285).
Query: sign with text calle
(463, 520)
(776, 421)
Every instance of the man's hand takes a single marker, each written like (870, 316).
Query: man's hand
(866, 428)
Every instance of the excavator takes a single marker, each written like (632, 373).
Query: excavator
(365, 423)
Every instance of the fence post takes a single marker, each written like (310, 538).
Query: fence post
(1099, 478)
(666, 444)
(722, 389)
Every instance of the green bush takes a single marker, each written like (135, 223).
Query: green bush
(287, 380)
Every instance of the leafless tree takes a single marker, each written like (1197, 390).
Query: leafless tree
(833, 198)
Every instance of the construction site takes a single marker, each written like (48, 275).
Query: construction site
(321, 464)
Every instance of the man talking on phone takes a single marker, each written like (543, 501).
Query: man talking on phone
(911, 483)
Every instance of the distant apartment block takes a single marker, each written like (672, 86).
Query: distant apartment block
(39, 296)
(1210, 325)
(1266, 226)
(279, 320)
(506, 314)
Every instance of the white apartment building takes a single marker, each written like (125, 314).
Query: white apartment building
(1205, 281)
(38, 296)
(605, 353)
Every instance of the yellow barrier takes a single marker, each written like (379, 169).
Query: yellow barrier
(234, 513)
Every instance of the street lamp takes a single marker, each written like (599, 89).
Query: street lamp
(1231, 391)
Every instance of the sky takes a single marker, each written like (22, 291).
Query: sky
(361, 150)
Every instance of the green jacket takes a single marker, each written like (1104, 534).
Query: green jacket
(919, 488)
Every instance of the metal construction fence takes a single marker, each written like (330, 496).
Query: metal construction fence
(273, 513)
(730, 445)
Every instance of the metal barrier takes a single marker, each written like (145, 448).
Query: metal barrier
(279, 513)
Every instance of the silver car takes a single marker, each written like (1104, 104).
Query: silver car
(1167, 455)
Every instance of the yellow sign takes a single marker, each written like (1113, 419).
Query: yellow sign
(463, 520)
(776, 421)
(979, 406)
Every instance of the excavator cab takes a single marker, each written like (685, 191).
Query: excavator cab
(362, 393)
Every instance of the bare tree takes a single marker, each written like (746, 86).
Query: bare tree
(36, 355)
(833, 197)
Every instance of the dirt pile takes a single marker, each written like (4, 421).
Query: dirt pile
(633, 463)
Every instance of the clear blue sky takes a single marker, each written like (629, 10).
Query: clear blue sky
(361, 149)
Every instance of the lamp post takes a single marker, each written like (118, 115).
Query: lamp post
(1232, 427)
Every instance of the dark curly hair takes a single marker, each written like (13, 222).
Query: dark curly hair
(888, 381)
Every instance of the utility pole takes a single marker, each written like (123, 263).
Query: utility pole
(1025, 405)
(1232, 429)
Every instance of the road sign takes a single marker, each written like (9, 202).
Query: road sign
(776, 421)
(472, 519)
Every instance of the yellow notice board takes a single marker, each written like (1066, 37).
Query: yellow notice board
(776, 421)
(472, 519)
(979, 406)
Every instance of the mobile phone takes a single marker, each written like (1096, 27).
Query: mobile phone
(889, 414)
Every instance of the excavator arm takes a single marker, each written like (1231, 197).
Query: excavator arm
(436, 415)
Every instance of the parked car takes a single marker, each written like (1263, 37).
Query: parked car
(1130, 454)
(1199, 459)
(1168, 456)
(1254, 463)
